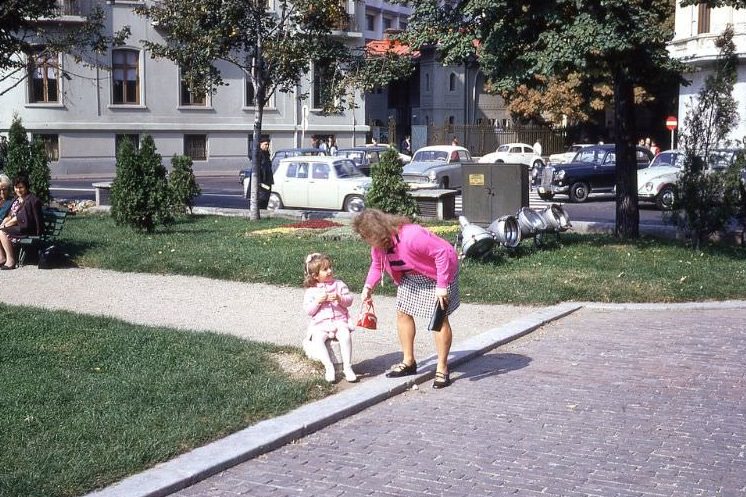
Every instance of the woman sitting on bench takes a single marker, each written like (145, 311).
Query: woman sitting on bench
(24, 219)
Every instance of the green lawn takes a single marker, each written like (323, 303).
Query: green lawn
(87, 400)
(579, 268)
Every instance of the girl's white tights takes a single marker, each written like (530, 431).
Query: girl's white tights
(318, 340)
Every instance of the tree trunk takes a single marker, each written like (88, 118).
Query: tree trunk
(627, 211)
(257, 79)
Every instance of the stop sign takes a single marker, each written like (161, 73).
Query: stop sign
(671, 123)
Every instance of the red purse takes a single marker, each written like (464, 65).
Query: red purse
(367, 317)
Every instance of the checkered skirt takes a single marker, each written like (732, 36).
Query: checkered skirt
(415, 295)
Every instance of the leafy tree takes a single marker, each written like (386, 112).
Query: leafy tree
(615, 42)
(389, 192)
(183, 184)
(21, 32)
(708, 197)
(140, 196)
(28, 159)
(274, 47)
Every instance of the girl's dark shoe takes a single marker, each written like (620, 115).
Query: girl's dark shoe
(442, 380)
(402, 369)
(4, 267)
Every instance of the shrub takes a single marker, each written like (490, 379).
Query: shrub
(27, 159)
(706, 198)
(184, 187)
(140, 195)
(389, 192)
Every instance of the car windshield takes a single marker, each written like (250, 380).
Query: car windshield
(347, 169)
(430, 156)
(667, 159)
(592, 156)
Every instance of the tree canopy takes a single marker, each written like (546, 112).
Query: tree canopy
(276, 48)
(532, 45)
(32, 25)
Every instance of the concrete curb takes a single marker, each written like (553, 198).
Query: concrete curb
(203, 462)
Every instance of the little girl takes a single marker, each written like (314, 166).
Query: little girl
(326, 301)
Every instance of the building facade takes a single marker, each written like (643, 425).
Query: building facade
(697, 28)
(83, 112)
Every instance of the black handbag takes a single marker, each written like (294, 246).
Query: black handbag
(436, 320)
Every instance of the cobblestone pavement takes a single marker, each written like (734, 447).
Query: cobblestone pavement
(603, 402)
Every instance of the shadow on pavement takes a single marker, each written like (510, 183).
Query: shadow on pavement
(492, 365)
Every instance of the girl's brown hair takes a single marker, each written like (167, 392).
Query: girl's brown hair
(314, 264)
(377, 227)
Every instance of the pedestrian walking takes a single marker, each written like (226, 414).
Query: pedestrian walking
(425, 269)
(537, 147)
(266, 176)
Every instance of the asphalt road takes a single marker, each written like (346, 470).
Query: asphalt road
(227, 192)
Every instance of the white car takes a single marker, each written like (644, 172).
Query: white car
(436, 166)
(319, 182)
(656, 183)
(514, 153)
(567, 156)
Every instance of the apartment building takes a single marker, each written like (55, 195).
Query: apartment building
(82, 115)
(696, 28)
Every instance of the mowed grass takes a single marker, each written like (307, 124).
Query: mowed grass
(87, 401)
(578, 267)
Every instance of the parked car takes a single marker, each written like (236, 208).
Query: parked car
(568, 155)
(319, 182)
(591, 171)
(657, 182)
(281, 154)
(367, 156)
(436, 166)
(514, 153)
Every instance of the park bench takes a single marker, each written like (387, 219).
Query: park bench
(54, 220)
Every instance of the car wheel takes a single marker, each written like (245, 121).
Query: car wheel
(274, 202)
(665, 198)
(579, 192)
(499, 161)
(546, 196)
(354, 204)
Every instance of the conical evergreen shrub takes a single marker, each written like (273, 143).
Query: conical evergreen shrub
(389, 192)
(184, 187)
(27, 159)
(140, 195)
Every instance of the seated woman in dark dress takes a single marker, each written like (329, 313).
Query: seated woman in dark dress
(25, 218)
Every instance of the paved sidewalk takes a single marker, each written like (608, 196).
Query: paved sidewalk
(603, 402)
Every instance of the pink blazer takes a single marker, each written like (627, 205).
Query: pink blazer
(423, 251)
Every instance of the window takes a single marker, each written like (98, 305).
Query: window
(44, 77)
(320, 171)
(250, 93)
(370, 22)
(402, 25)
(387, 23)
(191, 97)
(703, 18)
(322, 86)
(195, 146)
(427, 81)
(51, 145)
(133, 138)
(452, 82)
(125, 77)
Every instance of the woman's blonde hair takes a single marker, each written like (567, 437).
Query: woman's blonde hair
(377, 227)
(314, 264)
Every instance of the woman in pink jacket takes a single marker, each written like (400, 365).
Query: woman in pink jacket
(425, 268)
(326, 301)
